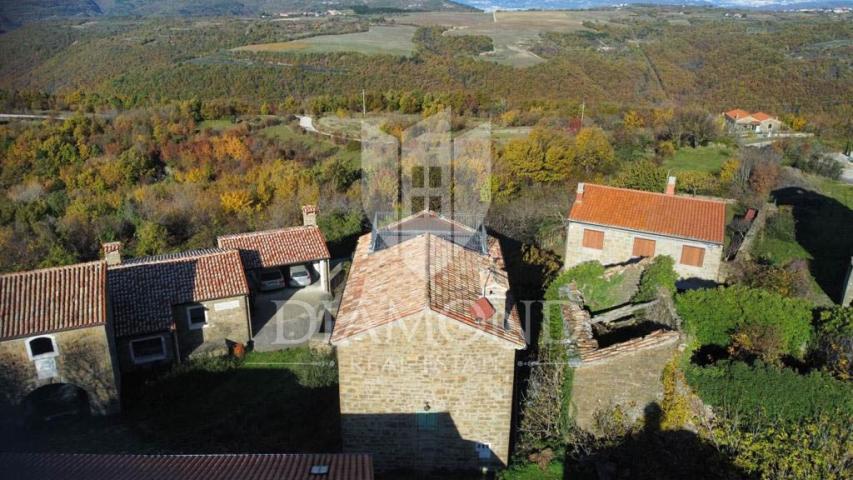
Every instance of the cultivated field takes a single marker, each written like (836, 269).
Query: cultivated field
(389, 40)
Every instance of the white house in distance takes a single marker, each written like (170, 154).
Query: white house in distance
(614, 225)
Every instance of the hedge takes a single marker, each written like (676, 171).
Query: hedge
(712, 315)
(762, 392)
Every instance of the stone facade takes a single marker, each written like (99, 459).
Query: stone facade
(227, 321)
(427, 393)
(84, 358)
(619, 245)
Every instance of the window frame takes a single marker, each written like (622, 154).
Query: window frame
(584, 239)
(684, 249)
(644, 239)
(419, 172)
(143, 359)
(435, 173)
(52, 354)
(196, 326)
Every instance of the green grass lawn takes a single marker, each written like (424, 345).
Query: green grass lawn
(706, 159)
(284, 401)
(842, 192)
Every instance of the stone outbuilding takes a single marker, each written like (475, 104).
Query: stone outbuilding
(615, 225)
(167, 308)
(55, 344)
(283, 248)
(426, 338)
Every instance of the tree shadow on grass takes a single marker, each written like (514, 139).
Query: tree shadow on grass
(653, 454)
(824, 227)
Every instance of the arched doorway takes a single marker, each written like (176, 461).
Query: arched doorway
(54, 401)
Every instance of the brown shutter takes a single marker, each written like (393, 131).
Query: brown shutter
(694, 256)
(644, 247)
(593, 239)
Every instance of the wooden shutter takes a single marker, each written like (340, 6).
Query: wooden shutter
(593, 239)
(694, 256)
(643, 247)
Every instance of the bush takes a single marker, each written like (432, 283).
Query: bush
(834, 349)
(660, 274)
(760, 393)
(598, 292)
(713, 315)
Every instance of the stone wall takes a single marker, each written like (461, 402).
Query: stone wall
(619, 245)
(424, 391)
(227, 321)
(83, 359)
(125, 359)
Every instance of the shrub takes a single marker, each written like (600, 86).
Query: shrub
(599, 292)
(834, 347)
(760, 393)
(712, 315)
(660, 274)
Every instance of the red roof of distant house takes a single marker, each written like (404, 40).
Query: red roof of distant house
(737, 113)
(272, 248)
(37, 466)
(143, 290)
(761, 116)
(52, 299)
(670, 215)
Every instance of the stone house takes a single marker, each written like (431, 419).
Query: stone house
(614, 225)
(283, 248)
(741, 121)
(426, 338)
(167, 308)
(55, 338)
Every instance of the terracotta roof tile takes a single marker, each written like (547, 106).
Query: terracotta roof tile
(143, 290)
(737, 113)
(671, 215)
(32, 466)
(52, 299)
(423, 273)
(284, 246)
(761, 116)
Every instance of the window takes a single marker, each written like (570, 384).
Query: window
(427, 421)
(418, 174)
(484, 451)
(435, 204)
(42, 347)
(196, 317)
(434, 177)
(693, 256)
(148, 349)
(418, 203)
(643, 247)
(593, 239)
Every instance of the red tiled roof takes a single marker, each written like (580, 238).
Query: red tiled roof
(761, 116)
(737, 113)
(284, 246)
(38, 466)
(143, 290)
(423, 273)
(52, 299)
(671, 215)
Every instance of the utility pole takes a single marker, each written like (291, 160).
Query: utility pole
(363, 104)
(583, 107)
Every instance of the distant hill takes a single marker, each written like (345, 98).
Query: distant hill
(14, 13)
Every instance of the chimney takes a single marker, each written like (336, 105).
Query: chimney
(309, 215)
(579, 196)
(112, 252)
(670, 186)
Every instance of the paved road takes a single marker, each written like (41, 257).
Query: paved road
(287, 317)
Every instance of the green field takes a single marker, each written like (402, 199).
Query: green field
(705, 159)
(220, 124)
(394, 40)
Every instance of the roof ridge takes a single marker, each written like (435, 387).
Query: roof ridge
(660, 194)
(53, 269)
(175, 257)
(265, 232)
